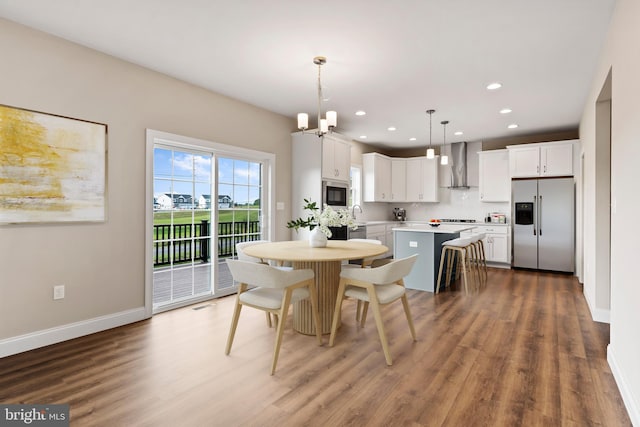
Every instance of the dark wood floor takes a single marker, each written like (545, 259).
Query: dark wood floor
(523, 352)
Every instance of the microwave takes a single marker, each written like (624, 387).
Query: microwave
(335, 194)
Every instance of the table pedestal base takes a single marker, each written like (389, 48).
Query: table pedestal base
(326, 280)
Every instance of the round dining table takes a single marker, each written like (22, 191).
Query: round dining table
(326, 264)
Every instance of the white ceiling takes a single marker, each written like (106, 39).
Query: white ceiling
(392, 59)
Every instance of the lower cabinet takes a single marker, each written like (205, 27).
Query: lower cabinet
(378, 232)
(497, 243)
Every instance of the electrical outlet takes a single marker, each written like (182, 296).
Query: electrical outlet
(58, 292)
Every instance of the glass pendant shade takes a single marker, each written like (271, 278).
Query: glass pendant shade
(303, 121)
(444, 160)
(324, 126)
(430, 153)
(332, 119)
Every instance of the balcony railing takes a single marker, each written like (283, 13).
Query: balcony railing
(179, 243)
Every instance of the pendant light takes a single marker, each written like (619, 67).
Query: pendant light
(331, 120)
(430, 153)
(444, 159)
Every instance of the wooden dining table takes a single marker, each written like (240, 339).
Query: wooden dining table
(326, 264)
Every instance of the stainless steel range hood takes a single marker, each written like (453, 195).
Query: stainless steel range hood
(458, 163)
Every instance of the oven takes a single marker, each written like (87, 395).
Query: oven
(335, 194)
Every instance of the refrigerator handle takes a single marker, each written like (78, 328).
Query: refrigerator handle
(540, 216)
(534, 215)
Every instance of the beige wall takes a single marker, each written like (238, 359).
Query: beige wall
(621, 55)
(102, 265)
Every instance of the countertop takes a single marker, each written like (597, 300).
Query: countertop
(414, 223)
(442, 228)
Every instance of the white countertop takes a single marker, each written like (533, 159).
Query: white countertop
(442, 228)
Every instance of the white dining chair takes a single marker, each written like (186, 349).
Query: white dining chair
(362, 263)
(242, 256)
(274, 290)
(375, 286)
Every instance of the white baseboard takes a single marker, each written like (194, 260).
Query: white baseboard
(598, 314)
(627, 395)
(21, 343)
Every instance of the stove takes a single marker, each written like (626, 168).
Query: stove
(457, 220)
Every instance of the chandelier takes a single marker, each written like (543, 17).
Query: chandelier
(324, 125)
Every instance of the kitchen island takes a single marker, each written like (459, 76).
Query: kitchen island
(426, 241)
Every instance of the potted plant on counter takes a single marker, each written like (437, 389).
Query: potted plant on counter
(318, 222)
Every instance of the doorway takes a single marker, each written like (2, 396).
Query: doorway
(203, 198)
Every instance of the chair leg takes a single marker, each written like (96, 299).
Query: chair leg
(313, 296)
(268, 319)
(373, 300)
(284, 309)
(463, 254)
(358, 310)
(365, 309)
(234, 325)
(336, 312)
(443, 255)
(407, 312)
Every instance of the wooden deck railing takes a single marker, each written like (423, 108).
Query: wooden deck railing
(192, 241)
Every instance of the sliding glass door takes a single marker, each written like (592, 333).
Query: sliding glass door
(206, 198)
(181, 226)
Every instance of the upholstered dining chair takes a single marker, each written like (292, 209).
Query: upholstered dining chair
(242, 256)
(273, 292)
(375, 286)
(362, 263)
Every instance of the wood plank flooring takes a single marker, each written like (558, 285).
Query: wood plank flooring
(522, 352)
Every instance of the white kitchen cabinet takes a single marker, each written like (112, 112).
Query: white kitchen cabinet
(336, 158)
(376, 173)
(547, 159)
(495, 182)
(398, 180)
(422, 179)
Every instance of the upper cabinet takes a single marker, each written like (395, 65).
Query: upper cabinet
(376, 174)
(547, 159)
(422, 179)
(336, 158)
(494, 179)
(388, 179)
(398, 180)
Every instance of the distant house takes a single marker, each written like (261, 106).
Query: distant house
(173, 201)
(224, 202)
(204, 202)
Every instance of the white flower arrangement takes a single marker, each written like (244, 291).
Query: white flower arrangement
(324, 219)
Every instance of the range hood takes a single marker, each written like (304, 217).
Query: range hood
(458, 165)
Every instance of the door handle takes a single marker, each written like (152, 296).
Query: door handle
(535, 207)
(540, 216)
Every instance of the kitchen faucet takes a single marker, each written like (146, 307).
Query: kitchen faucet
(353, 211)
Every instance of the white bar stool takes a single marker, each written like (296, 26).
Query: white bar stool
(479, 258)
(462, 247)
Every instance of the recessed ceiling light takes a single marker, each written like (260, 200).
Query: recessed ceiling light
(360, 113)
(494, 86)
(363, 136)
(458, 133)
(505, 111)
(391, 128)
(512, 126)
(412, 139)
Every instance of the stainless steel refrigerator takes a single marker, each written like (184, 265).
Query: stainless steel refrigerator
(543, 223)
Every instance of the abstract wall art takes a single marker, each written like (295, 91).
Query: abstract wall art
(52, 168)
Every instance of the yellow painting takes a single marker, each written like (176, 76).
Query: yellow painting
(52, 168)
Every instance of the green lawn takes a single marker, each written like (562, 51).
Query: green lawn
(184, 216)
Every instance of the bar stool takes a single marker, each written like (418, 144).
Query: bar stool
(461, 247)
(479, 258)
